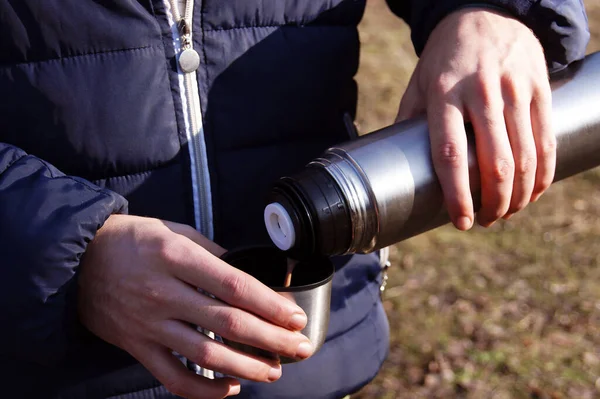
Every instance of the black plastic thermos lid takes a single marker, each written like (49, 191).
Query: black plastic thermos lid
(308, 215)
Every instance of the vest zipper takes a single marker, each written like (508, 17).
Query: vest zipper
(188, 63)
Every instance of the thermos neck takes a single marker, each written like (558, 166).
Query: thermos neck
(360, 200)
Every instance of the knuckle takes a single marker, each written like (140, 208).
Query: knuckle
(206, 355)
(235, 287)
(548, 147)
(543, 185)
(280, 313)
(287, 343)
(154, 248)
(154, 291)
(517, 206)
(282, 347)
(448, 154)
(526, 165)
(170, 249)
(497, 212)
(502, 170)
(443, 84)
(232, 322)
(164, 247)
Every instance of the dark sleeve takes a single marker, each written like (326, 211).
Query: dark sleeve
(46, 221)
(560, 25)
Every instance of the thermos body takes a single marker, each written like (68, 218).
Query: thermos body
(381, 188)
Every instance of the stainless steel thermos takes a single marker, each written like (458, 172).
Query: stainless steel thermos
(381, 188)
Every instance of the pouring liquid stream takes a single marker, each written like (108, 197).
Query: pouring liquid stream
(291, 264)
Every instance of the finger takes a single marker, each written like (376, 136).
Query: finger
(412, 103)
(494, 154)
(545, 140)
(238, 325)
(178, 380)
(235, 287)
(215, 356)
(449, 151)
(518, 124)
(194, 235)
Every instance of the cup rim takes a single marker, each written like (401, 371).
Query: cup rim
(299, 288)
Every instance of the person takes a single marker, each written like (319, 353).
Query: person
(138, 140)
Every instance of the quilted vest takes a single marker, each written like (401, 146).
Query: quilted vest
(93, 88)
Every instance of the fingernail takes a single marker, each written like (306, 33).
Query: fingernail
(298, 321)
(464, 223)
(234, 390)
(274, 374)
(305, 349)
(535, 197)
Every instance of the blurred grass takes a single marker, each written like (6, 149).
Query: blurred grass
(512, 311)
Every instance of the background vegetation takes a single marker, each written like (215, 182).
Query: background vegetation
(512, 311)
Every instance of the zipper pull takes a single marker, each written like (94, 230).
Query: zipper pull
(189, 59)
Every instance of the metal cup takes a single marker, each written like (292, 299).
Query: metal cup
(310, 289)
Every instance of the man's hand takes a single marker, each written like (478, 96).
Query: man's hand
(138, 291)
(489, 69)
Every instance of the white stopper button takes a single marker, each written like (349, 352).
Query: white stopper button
(280, 227)
(189, 60)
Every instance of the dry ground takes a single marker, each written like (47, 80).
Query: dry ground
(507, 312)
